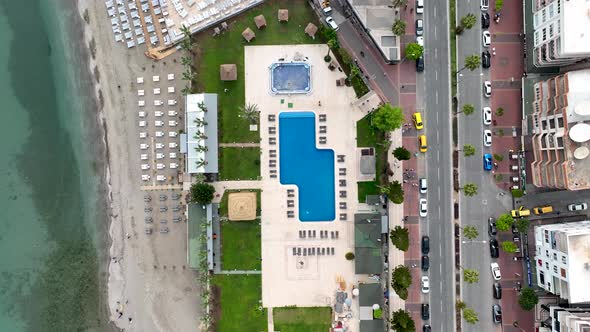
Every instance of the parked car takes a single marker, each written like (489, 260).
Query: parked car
(423, 207)
(420, 64)
(577, 207)
(492, 231)
(425, 285)
(486, 114)
(497, 290)
(486, 38)
(484, 5)
(420, 40)
(417, 118)
(426, 328)
(423, 185)
(425, 311)
(425, 245)
(494, 250)
(332, 23)
(520, 212)
(487, 89)
(425, 263)
(487, 137)
(487, 162)
(542, 209)
(419, 27)
(497, 313)
(496, 271)
(485, 20)
(419, 6)
(422, 143)
(486, 59)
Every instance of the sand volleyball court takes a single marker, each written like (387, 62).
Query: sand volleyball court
(241, 206)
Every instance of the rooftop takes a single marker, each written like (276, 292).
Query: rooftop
(579, 271)
(367, 243)
(575, 39)
(201, 130)
(577, 142)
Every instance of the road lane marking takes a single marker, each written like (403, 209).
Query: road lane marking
(436, 78)
(435, 14)
(437, 90)
(435, 32)
(435, 53)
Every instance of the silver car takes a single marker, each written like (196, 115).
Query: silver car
(577, 207)
(487, 137)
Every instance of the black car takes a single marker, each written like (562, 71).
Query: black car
(426, 328)
(492, 227)
(486, 59)
(420, 64)
(485, 20)
(425, 245)
(515, 229)
(497, 313)
(497, 290)
(425, 311)
(425, 263)
(494, 251)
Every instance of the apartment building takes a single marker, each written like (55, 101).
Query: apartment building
(562, 260)
(561, 319)
(561, 131)
(561, 32)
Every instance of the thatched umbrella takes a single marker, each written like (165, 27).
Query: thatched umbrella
(228, 72)
(311, 29)
(260, 21)
(248, 34)
(283, 15)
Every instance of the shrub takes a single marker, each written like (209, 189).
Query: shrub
(202, 193)
(499, 111)
(528, 299)
(402, 153)
(517, 193)
(498, 157)
(349, 256)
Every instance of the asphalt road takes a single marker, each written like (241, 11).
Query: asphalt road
(488, 202)
(433, 100)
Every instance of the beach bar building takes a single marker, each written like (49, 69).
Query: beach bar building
(200, 137)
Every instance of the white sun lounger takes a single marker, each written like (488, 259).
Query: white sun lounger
(156, 91)
(170, 89)
(140, 92)
(140, 80)
(156, 78)
(170, 77)
(141, 103)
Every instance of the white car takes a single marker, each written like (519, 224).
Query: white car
(144, 146)
(173, 165)
(158, 113)
(486, 114)
(496, 271)
(159, 123)
(172, 155)
(419, 6)
(487, 137)
(159, 134)
(161, 178)
(171, 102)
(423, 207)
(159, 145)
(143, 156)
(145, 177)
(160, 166)
(420, 40)
(484, 5)
(172, 145)
(143, 134)
(172, 134)
(486, 38)
(145, 167)
(332, 23)
(159, 156)
(577, 207)
(142, 114)
(425, 285)
(172, 113)
(487, 89)
(142, 123)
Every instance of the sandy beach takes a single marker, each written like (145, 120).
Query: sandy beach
(150, 287)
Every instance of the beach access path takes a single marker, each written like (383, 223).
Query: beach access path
(148, 278)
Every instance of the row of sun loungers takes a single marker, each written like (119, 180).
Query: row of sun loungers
(311, 234)
(320, 251)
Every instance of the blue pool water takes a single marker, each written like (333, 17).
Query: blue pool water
(309, 168)
(290, 77)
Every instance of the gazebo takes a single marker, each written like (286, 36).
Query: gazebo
(283, 15)
(248, 34)
(228, 72)
(260, 21)
(311, 29)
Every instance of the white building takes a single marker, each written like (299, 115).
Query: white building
(561, 31)
(566, 319)
(199, 141)
(562, 260)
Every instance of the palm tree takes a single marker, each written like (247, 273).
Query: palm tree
(200, 122)
(201, 162)
(186, 31)
(186, 90)
(186, 61)
(187, 45)
(250, 112)
(189, 75)
(202, 106)
(332, 44)
(200, 135)
(201, 148)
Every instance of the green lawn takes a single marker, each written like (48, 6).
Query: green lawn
(240, 245)
(367, 136)
(229, 48)
(312, 319)
(239, 163)
(223, 203)
(237, 299)
(367, 188)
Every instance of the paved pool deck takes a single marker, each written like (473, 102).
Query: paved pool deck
(304, 281)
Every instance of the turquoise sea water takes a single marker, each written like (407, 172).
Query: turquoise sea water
(52, 213)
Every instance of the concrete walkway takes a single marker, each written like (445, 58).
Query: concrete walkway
(239, 145)
(222, 186)
(271, 323)
(239, 272)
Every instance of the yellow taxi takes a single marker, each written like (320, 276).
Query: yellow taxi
(422, 143)
(418, 120)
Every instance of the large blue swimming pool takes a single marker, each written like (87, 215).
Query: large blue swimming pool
(302, 164)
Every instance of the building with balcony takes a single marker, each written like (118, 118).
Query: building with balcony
(566, 318)
(562, 260)
(560, 32)
(560, 128)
